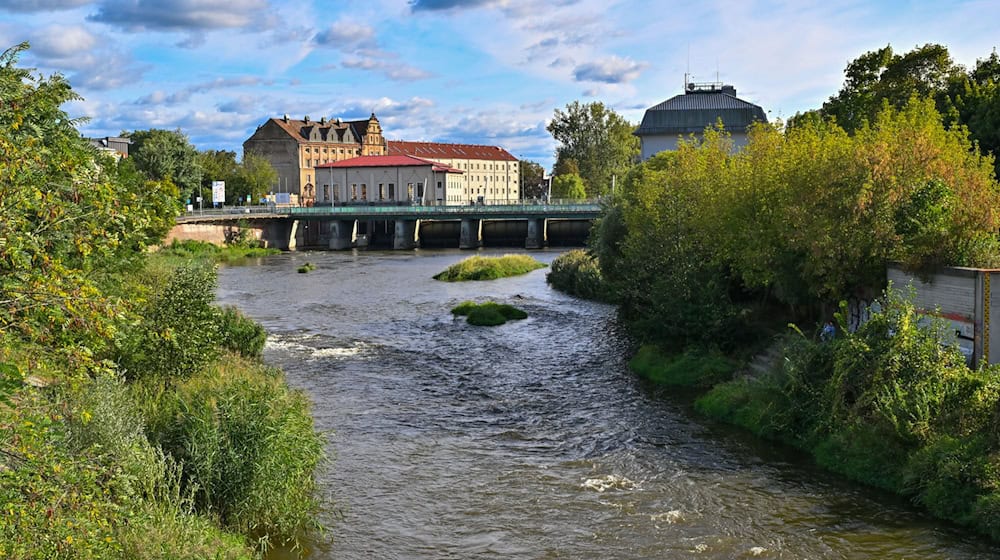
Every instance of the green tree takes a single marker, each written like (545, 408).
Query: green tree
(882, 76)
(532, 179)
(568, 187)
(599, 139)
(71, 217)
(216, 165)
(165, 155)
(254, 177)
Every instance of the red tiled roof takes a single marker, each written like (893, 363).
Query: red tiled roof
(449, 151)
(388, 161)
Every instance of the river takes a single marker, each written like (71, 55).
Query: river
(533, 440)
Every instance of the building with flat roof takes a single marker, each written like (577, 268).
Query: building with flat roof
(700, 106)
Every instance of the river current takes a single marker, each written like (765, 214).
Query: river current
(533, 439)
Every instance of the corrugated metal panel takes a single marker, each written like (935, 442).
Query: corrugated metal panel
(691, 113)
(949, 294)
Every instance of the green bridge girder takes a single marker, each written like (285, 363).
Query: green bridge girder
(589, 210)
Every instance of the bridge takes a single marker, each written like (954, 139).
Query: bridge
(344, 226)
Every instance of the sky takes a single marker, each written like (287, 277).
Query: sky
(466, 71)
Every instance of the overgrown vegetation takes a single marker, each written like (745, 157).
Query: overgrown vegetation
(892, 405)
(577, 273)
(489, 268)
(184, 251)
(488, 314)
(135, 420)
(308, 267)
(710, 252)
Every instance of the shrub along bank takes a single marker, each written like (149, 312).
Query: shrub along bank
(710, 252)
(135, 418)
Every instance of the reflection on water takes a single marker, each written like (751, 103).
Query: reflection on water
(532, 439)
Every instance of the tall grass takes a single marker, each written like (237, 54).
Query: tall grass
(489, 268)
(182, 251)
(246, 446)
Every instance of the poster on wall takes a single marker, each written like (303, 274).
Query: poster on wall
(218, 192)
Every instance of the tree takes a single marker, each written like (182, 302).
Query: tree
(881, 76)
(532, 179)
(254, 177)
(167, 155)
(569, 186)
(599, 139)
(71, 217)
(217, 165)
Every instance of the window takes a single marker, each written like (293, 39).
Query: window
(381, 191)
(326, 192)
(364, 191)
(409, 191)
(354, 191)
(420, 190)
(336, 192)
(392, 191)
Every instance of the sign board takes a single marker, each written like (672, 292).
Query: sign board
(283, 198)
(218, 192)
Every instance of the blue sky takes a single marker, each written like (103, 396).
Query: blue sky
(472, 71)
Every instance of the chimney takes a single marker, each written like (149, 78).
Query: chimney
(305, 119)
(731, 90)
(285, 118)
(322, 120)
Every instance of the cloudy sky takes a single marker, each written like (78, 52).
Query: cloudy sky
(471, 71)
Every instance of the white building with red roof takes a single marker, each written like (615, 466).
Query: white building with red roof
(491, 173)
(388, 180)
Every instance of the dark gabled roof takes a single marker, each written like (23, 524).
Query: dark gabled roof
(330, 130)
(692, 112)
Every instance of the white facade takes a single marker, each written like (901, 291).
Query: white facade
(652, 144)
(388, 184)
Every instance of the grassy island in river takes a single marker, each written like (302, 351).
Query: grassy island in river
(489, 268)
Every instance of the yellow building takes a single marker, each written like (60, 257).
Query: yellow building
(295, 147)
(490, 172)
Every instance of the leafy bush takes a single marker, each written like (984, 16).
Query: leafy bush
(488, 314)
(489, 268)
(241, 334)
(577, 273)
(179, 330)
(246, 445)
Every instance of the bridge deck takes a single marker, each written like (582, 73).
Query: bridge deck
(585, 210)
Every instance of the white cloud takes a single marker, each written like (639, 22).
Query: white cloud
(610, 70)
(62, 42)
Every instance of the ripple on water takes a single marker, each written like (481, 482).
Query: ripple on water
(533, 440)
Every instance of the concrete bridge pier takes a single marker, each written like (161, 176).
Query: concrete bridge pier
(404, 235)
(342, 234)
(536, 234)
(471, 236)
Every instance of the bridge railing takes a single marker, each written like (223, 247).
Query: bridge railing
(525, 207)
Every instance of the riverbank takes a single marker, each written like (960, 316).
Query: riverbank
(888, 406)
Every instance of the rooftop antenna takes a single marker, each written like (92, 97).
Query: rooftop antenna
(687, 74)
